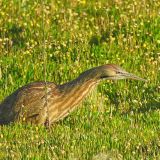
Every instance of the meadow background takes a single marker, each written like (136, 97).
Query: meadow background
(119, 120)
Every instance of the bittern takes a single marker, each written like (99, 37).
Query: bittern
(39, 102)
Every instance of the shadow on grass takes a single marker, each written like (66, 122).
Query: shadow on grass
(151, 106)
(148, 107)
(153, 103)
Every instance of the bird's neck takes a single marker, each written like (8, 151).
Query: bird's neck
(81, 84)
(74, 91)
(71, 93)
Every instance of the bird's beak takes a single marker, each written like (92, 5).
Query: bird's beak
(132, 76)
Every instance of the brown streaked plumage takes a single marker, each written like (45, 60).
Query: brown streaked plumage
(28, 103)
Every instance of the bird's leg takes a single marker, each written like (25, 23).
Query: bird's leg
(47, 123)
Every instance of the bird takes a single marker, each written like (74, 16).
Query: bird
(44, 103)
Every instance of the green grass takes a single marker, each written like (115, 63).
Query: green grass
(120, 120)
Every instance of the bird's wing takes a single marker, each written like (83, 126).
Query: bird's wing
(27, 103)
(32, 102)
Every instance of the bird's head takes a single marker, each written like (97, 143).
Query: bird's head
(114, 72)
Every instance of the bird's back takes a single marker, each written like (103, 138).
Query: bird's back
(28, 103)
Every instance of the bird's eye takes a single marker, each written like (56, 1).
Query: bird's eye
(118, 72)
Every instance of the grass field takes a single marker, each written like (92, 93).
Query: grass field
(119, 120)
